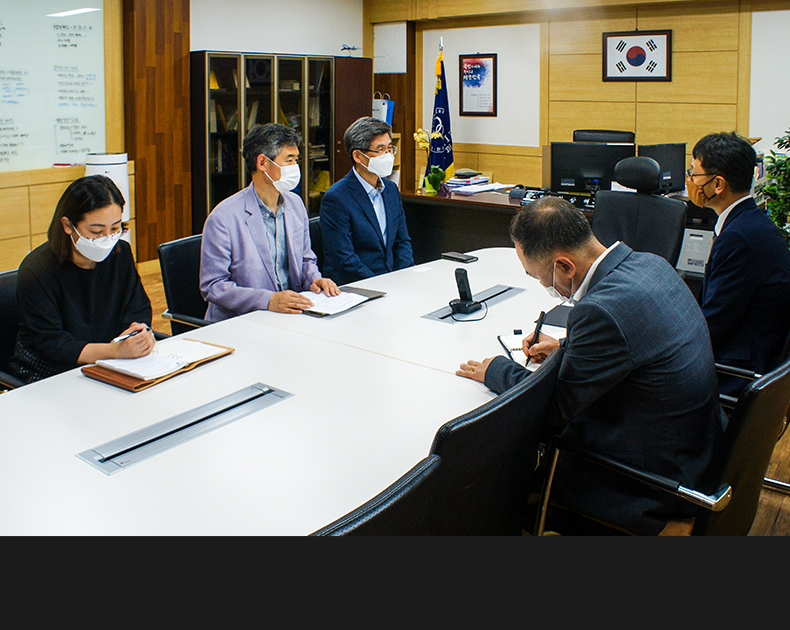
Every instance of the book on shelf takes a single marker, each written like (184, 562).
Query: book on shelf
(221, 117)
(212, 116)
(169, 357)
(233, 121)
(213, 84)
(253, 115)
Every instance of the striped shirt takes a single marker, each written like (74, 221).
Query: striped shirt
(274, 223)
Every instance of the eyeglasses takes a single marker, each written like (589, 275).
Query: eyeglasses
(390, 149)
(690, 175)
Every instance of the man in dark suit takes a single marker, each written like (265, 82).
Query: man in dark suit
(745, 293)
(636, 381)
(362, 220)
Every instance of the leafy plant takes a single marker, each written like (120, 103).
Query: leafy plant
(777, 190)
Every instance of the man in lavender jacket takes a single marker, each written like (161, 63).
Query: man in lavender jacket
(256, 252)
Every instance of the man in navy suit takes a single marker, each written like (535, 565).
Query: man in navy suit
(636, 379)
(745, 293)
(362, 220)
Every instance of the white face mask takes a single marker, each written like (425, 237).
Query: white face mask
(381, 165)
(556, 294)
(96, 249)
(289, 177)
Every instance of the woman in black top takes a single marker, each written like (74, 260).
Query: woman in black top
(80, 289)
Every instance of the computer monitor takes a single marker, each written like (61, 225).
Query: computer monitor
(586, 167)
(672, 159)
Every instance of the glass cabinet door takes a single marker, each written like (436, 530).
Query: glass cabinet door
(290, 103)
(223, 126)
(258, 96)
(319, 131)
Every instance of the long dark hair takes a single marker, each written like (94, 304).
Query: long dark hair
(83, 195)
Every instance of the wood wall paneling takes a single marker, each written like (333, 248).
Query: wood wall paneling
(660, 122)
(15, 203)
(565, 116)
(700, 27)
(698, 77)
(43, 200)
(579, 78)
(350, 71)
(157, 106)
(577, 33)
(12, 251)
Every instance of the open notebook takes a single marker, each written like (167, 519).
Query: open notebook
(168, 358)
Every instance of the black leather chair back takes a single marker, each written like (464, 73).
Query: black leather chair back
(9, 317)
(399, 510)
(179, 261)
(644, 221)
(750, 437)
(603, 135)
(489, 457)
(317, 241)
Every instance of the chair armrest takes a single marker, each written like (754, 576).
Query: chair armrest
(728, 402)
(9, 381)
(734, 371)
(186, 319)
(715, 502)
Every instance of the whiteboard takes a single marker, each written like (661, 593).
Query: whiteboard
(51, 83)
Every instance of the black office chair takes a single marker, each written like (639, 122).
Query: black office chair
(9, 325)
(603, 135)
(489, 459)
(644, 221)
(317, 241)
(179, 261)
(728, 403)
(731, 501)
(399, 510)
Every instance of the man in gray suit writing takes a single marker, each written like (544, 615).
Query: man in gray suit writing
(637, 379)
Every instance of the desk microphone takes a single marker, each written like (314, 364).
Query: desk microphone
(466, 303)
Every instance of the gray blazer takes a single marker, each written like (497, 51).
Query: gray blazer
(236, 267)
(637, 382)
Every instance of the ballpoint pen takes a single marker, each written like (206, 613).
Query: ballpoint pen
(536, 334)
(538, 326)
(131, 334)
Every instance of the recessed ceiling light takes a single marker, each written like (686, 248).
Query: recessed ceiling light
(72, 12)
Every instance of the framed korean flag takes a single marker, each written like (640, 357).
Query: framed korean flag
(637, 56)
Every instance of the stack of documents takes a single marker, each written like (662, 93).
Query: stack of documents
(466, 181)
(471, 189)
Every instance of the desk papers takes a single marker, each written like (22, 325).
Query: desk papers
(349, 298)
(168, 358)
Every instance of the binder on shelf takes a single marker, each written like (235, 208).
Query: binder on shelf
(212, 81)
(169, 358)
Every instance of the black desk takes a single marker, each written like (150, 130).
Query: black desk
(451, 222)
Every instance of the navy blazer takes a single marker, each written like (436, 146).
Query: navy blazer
(636, 382)
(745, 293)
(353, 245)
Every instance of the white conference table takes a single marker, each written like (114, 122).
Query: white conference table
(369, 390)
(394, 325)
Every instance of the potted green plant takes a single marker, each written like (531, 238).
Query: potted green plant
(776, 191)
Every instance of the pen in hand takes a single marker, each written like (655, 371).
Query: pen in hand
(131, 334)
(536, 334)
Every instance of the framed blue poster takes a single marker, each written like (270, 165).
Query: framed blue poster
(478, 78)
